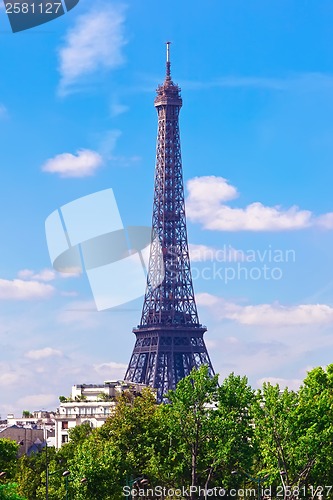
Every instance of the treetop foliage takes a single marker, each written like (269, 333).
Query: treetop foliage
(208, 435)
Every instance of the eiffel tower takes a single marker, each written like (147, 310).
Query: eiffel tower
(169, 339)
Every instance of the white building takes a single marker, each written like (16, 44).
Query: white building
(89, 403)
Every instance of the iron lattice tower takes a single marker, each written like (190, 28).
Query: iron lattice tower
(169, 339)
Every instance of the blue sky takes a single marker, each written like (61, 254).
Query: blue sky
(77, 117)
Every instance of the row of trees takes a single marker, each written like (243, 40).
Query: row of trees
(211, 437)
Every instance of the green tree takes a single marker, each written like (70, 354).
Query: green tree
(288, 441)
(104, 397)
(125, 447)
(8, 457)
(315, 415)
(210, 429)
(96, 462)
(31, 473)
(234, 447)
(9, 492)
(189, 417)
(77, 436)
(81, 397)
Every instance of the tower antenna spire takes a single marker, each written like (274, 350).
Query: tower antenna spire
(168, 63)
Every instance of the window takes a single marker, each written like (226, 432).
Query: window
(64, 438)
(64, 424)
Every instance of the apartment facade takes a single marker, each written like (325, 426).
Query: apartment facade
(89, 403)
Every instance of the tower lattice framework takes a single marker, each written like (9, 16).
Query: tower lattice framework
(169, 339)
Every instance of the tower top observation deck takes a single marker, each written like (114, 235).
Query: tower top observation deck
(168, 93)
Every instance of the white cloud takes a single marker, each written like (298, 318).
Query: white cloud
(46, 352)
(305, 82)
(107, 146)
(268, 354)
(234, 81)
(94, 43)
(24, 290)
(302, 82)
(207, 300)
(71, 272)
(8, 378)
(23, 330)
(37, 401)
(268, 315)
(326, 220)
(292, 384)
(126, 161)
(108, 143)
(69, 294)
(111, 370)
(217, 189)
(206, 200)
(44, 275)
(81, 315)
(83, 164)
(211, 344)
(257, 217)
(277, 315)
(117, 109)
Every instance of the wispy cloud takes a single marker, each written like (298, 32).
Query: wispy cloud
(47, 275)
(44, 275)
(117, 108)
(206, 204)
(86, 162)
(94, 43)
(108, 143)
(24, 290)
(237, 81)
(325, 221)
(107, 146)
(44, 353)
(292, 383)
(80, 314)
(268, 315)
(37, 401)
(83, 164)
(9, 379)
(111, 370)
(305, 82)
